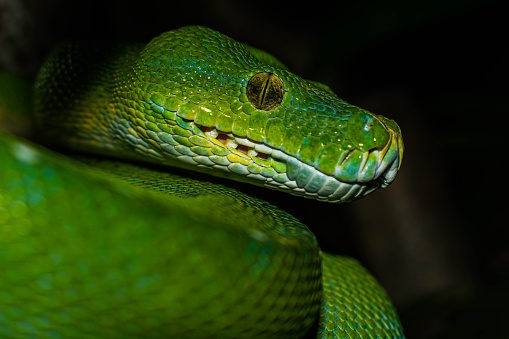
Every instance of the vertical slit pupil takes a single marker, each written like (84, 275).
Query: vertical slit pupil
(265, 91)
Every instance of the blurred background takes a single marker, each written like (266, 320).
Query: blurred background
(436, 239)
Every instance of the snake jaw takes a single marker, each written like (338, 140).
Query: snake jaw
(207, 149)
(273, 168)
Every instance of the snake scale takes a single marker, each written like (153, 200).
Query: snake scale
(115, 245)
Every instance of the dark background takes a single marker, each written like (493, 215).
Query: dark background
(437, 238)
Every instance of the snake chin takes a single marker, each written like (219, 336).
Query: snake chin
(388, 176)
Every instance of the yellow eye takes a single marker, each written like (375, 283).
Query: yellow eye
(265, 91)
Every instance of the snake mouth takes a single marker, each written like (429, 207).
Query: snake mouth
(238, 144)
(207, 149)
(273, 168)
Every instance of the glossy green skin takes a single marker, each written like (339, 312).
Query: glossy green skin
(117, 250)
(152, 103)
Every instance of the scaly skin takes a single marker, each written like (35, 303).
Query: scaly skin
(182, 100)
(87, 253)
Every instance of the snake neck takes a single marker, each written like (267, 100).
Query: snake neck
(74, 96)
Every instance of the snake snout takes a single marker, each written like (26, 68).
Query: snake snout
(391, 156)
(356, 172)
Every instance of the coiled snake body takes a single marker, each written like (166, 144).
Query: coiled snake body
(115, 249)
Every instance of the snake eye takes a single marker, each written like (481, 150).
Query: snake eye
(265, 91)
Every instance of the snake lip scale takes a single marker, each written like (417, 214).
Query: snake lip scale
(317, 186)
(242, 158)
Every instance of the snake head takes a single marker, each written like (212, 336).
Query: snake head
(212, 104)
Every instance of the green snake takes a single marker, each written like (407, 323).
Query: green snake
(115, 245)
